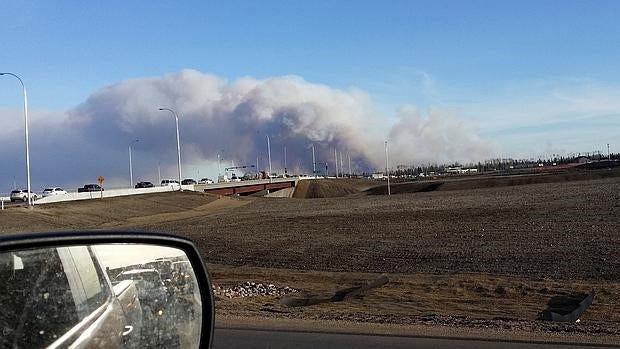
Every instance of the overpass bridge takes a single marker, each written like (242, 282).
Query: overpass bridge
(229, 188)
(247, 187)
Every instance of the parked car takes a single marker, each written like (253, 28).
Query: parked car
(169, 182)
(90, 187)
(188, 181)
(205, 181)
(53, 191)
(22, 194)
(144, 185)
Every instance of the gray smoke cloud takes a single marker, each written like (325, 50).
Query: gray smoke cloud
(440, 138)
(232, 119)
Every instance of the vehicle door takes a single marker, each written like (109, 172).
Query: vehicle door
(58, 298)
(103, 321)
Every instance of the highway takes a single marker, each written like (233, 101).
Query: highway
(252, 338)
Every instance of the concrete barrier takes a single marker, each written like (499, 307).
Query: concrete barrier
(108, 194)
(566, 308)
(282, 193)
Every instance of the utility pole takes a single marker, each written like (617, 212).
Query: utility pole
(341, 167)
(387, 167)
(608, 153)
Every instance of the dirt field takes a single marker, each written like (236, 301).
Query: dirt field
(461, 256)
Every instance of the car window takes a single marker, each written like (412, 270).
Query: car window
(92, 281)
(33, 283)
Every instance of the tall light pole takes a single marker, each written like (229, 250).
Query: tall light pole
(336, 161)
(159, 172)
(219, 165)
(387, 167)
(313, 162)
(130, 166)
(608, 153)
(341, 166)
(285, 170)
(176, 119)
(269, 154)
(26, 134)
(349, 156)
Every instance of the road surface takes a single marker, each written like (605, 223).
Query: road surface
(250, 338)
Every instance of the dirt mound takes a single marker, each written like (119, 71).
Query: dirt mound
(330, 188)
(485, 181)
(402, 188)
(101, 213)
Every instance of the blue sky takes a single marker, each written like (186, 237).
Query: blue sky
(68, 49)
(508, 66)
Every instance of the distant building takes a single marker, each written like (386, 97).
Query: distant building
(461, 170)
(583, 160)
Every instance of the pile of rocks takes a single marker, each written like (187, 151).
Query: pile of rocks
(252, 289)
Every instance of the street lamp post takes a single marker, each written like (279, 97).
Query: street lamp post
(336, 161)
(387, 167)
(269, 154)
(176, 118)
(313, 162)
(26, 135)
(159, 172)
(349, 156)
(285, 169)
(130, 166)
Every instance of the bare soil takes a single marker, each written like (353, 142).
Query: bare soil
(476, 256)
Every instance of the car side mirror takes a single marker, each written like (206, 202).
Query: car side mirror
(103, 289)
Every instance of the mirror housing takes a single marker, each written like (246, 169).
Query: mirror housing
(20, 242)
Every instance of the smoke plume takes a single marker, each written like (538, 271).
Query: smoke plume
(233, 119)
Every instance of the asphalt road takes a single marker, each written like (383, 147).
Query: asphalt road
(244, 338)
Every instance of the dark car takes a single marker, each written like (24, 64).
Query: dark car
(188, 181)
(90, 187)
(144, 185)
